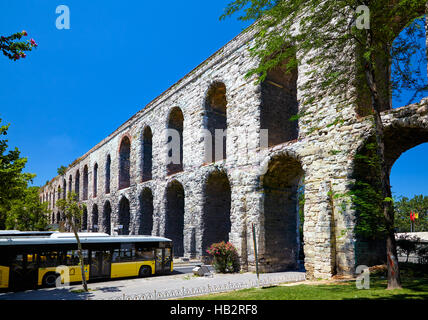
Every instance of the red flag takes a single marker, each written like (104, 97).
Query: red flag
(412, 216)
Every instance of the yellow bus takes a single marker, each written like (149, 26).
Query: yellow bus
(31, 262)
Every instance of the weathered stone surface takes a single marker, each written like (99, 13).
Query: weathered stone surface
(252, 183)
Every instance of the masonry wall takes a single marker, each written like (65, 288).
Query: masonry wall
(257, 192)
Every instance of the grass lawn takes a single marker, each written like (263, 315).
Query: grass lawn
(414, 282)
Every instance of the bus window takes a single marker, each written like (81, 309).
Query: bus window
(73, 258)
(18, 263)
(116, 256)
(48, 259)
(126, 255)
(32, 261)
(145, 254)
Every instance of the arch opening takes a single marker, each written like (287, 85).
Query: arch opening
(175, 141)
(216, 122)
(279, 104)
(124, 216)
(174, 219)
(147, 155)
(107, 179)
(146, 212)
(77, 185)
(84, 220)
(125, 163)
(216, 224)
(70, 184)
(64, 189)
(94, 220)
(106, 218)
(281, 236)
(95, 186)
(85, 182)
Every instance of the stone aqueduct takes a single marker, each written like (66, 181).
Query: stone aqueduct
(126, 180)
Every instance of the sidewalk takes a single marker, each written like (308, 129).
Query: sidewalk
(157, 288)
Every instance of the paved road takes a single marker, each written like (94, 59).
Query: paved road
(180, 284)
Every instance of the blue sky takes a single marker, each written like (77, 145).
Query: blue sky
(83, 83)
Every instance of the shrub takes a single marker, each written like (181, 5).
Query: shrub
(225, 257)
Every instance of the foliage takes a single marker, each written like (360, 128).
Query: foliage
(403, 207)
(62, 170)
(13, 48)
(366, 194)
(73, 211)
(330, 29)
(28, 213)
(13, 182)
(225, 257)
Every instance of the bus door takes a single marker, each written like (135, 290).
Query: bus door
(23, 271)
(100, 266)
(159, 259)
(163, 260)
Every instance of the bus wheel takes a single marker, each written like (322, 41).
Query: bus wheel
(49, 280)
(145, 271)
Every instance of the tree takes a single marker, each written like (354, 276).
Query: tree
(62, 170)
(28, 213)
(13, 48)
(404, 206)
(350, 55)
(13, 182)
(73, 212)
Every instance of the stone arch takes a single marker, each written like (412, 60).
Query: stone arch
(106, 218)
(107, 174)
(280, 214)
(95, 182)
(278, 104)
(85, 182)
(216, 224)
(146, 212)
(215, 119)
(147, 154)
(124, 216)
(400, 135)
(125, 163)
(400, 140)
(174, 217)
(175, 152)
(94, 219)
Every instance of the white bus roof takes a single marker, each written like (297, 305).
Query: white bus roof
(17, 233)
(85, 238)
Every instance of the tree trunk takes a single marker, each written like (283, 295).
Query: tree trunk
(394, 280)
(79, 252)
